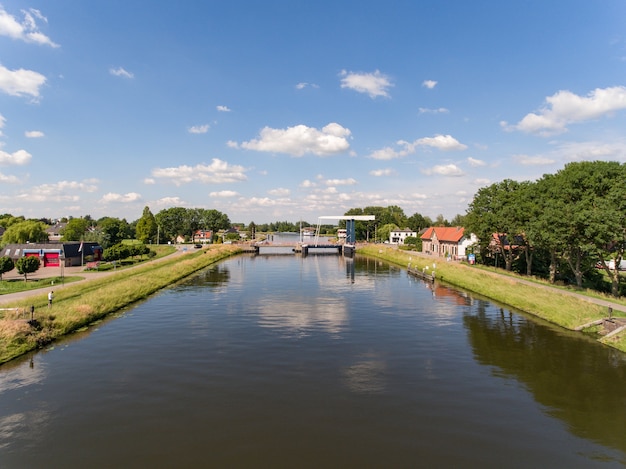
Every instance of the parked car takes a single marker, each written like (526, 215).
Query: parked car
(622, 265)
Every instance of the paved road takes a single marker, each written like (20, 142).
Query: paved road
(47, 272)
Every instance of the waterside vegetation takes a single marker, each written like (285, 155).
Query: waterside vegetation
(540, 298)
(82, 303)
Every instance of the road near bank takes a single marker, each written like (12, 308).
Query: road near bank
(78, 271)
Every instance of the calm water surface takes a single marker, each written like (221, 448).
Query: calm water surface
(283, 361)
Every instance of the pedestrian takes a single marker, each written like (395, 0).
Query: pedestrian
(50, 296)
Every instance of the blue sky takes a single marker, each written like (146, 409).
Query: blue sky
(290, 110)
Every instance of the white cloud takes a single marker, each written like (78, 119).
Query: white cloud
(474, 162)
(62, 191)
(198, 129)
(299, 140)
(527, 160)
(440, 142)
(302, 85)
(373, 84)
(341, 182)
(129, 197)
(18, 158)
(8, 179)
(21, 82)
(223, 194)
(451, 170)
(223, 108)
(27, 30)
(441, 110)
(482, 181)
(34, 134)
(279, 192)
(217, 172)
(593, 150)
(430, 84)
(382, 172)
(149, 181)
(564, 108)
(306, 184)
(120, 72)
(167, 202)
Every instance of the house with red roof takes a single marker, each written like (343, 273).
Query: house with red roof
(444, 241)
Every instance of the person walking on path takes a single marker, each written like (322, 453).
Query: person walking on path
(50, 296)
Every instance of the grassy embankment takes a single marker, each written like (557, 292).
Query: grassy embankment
(80, 304)
(551, 304)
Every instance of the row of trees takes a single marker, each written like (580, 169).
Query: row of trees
(165, 226)
(570, 221)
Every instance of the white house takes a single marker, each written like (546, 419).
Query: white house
(398, 236)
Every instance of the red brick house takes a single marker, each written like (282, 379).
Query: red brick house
(443, 241)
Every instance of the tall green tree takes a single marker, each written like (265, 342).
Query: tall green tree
(146, 229)
(493, 212)
(114, 230)
(75, 229)
(418, 222)
(28, 231)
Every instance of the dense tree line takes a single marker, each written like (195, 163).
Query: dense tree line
(562, 225)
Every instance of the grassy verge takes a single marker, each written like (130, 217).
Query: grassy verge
(16, 285)
(80, 304)
(541, 300)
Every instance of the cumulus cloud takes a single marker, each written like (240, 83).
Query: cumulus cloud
(62, 191)
(439, 142)
(592, 150)
(127, 198)
(27, 29)
(167, 202)
(120, 72)
(198, 129)
(441, 110)
(34, 134)
(373, 84)
(8, 179)
(223, 194)
(474, 162)
(299, 140)
(302, 85)
(450, 170)
(223, 108)
(18, 158)
(341, 182)
(382, 172)
(430, 84)
(564, 108)
(279, 192)
(21, 82)
(217, 172)
(527, 160)
(306, 184)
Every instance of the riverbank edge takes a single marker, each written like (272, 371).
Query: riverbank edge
(550, 304)
(85, 302)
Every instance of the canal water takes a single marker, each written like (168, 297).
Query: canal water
(322, 361)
